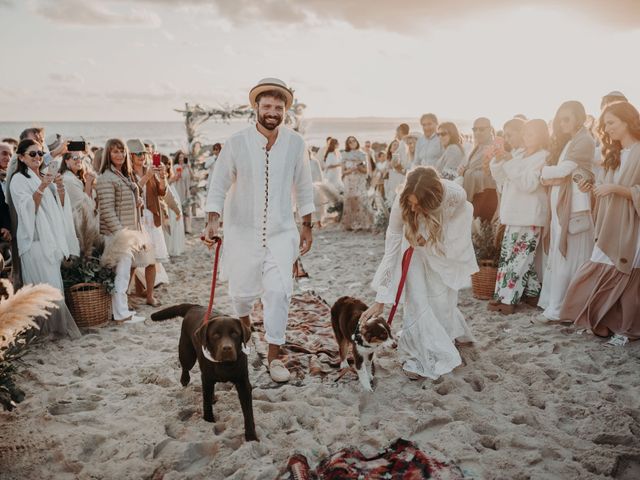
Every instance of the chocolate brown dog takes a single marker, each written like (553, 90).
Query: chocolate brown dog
(217, 346)
(365, 338)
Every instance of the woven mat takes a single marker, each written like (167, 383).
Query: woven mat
(311, 347)
(402, 460)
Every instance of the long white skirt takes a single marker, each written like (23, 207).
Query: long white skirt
(431, 322)
(559, 271)
(156, 236)
(391, 185)
(175, 238)
(37, 268)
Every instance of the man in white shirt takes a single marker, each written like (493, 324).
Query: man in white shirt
(258, 170)
(428, 149)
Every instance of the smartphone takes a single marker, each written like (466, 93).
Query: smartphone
(157, 159)
(76, 146)
(53, 167)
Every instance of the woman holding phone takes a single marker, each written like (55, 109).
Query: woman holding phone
(45, 232)
(569, 234)
(181, 180)
(603, 295)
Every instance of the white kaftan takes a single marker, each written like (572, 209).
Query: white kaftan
(432, 320)
(559, 271)
(44, 238)
(334, 175)
(254, 188)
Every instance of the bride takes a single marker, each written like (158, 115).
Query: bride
(431, 215)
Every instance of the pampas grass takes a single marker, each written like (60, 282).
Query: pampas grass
(87, 229)
(18, 310)
(122, 243)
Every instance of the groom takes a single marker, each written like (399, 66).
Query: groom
(256, 173)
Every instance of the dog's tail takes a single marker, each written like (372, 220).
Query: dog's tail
(172, 312)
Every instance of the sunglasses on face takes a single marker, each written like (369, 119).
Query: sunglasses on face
(77, 157)
(33, 153)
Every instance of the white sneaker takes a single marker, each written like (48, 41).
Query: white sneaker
(279, 372)
(135, 319)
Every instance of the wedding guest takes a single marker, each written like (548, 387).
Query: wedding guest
(513, 141)
(45, 233)
(321, 155)
(318, 198)
(79, 182)
(182, 179)
(411, 141)
(381, 173)
(173, 226)
(356, 214)
(333, 165)
(452, 151)
(611, 97)
(401, 134)
(433, 216)
(603, 295)
(397, 168)
(119, 205)
(371, 161)
(210, 162)
(477, 180)
(12, 142)
(523, 211)
(429, 148)
(152, 183)
(568, 237)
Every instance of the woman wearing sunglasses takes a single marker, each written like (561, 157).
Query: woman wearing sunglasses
(568, 236)
(453, 155)
(45, 233)
(79, 185)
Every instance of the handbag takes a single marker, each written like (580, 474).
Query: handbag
(580, 222)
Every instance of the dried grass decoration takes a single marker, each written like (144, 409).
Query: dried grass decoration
(17, 313)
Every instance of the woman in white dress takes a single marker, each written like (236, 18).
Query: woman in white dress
(568, 238)
(356, 214)
(397, 169)
(182, 178)
(173, 226)
(333, 165)
(431, 215)
(604, 294)
(45, 231)
(79, 184)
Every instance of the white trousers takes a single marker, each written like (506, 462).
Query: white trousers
(275, 302)
(119, 302)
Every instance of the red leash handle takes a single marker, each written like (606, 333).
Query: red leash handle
(406, 260)
(214, 278)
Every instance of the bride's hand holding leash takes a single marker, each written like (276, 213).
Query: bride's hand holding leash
(373, 311)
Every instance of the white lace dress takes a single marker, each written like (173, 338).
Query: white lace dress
(431, 320)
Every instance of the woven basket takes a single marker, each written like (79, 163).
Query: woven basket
(483, 283)
(89, 303)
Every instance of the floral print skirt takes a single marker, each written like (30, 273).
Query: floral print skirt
(516, 270)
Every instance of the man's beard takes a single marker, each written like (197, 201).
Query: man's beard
(269, 122)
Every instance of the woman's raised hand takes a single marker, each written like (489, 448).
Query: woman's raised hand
(47, 178)
(373, 311)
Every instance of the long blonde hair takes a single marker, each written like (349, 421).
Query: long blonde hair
(425, 184)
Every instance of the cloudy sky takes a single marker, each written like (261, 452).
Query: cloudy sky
(137, 60)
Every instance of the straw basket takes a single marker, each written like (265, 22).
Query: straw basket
(483, 283)
(89, 303)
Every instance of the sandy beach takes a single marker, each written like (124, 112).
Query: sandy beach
(531, 401)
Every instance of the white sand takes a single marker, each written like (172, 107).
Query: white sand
(532, 401)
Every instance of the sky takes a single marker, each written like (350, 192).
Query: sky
(116, 60)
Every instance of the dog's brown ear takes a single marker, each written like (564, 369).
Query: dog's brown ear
(246, 332)
(388, 327)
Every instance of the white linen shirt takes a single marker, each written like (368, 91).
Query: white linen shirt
(256, 188)
(428, 151)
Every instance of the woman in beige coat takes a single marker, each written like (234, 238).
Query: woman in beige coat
(119, 202)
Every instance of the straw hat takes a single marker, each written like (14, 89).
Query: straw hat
(267, 84)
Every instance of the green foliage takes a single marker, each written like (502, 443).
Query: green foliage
(483, 236)
(87, 270)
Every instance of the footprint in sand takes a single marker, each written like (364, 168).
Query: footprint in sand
(64, 407)
(476, 382)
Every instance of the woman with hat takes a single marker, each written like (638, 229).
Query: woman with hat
(259, 171)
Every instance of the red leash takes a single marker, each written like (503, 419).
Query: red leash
(214, 279)
(406, 260)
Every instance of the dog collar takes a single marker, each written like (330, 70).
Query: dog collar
(357, 336)
(208, 356)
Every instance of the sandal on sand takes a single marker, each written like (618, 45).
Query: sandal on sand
(411, 375)
(278, 371)
(154, 302)
(618, 340)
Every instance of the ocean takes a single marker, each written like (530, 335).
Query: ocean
(171, 136)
